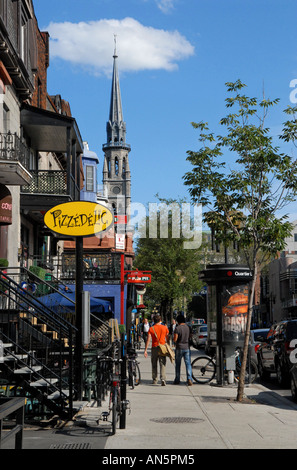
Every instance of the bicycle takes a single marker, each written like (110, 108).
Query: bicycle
(204, 368)
(133, 368)
(116, 406)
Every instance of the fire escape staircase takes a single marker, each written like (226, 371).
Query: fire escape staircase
(37, 360)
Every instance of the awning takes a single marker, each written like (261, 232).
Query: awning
(60, 303)
(49, 131)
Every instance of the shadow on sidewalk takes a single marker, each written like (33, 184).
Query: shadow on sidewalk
(275, 400)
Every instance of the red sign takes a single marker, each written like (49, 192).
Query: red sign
(139, 277)
(120, 219)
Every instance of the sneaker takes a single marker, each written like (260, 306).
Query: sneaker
(190, 382)
(155, 382)
(176, 382)
(163, 383)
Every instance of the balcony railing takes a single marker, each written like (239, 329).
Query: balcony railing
(97, 266)
(47, 182)
(13, 149)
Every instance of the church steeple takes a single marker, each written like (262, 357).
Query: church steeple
(116, 171)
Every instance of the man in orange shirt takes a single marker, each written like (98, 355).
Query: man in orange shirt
(159, 334)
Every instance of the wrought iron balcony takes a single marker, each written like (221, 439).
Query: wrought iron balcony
(47, 182)
(52, 189)
(12, 148)
(14, 160)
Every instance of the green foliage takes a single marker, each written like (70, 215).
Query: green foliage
(175, 270)
(242, 204)
(38, 271)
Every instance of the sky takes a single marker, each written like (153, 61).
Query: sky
(174, 58)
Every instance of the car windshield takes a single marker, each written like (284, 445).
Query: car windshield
(260, 334)
(203, 329)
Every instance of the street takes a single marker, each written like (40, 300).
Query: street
(272, 385)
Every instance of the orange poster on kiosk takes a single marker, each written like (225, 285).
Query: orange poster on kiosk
(234, 312)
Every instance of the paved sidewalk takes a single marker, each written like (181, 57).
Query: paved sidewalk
(181, 418)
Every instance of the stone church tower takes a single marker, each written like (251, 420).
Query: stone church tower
(116, 170)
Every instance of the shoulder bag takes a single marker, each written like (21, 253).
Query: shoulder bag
(165, 349)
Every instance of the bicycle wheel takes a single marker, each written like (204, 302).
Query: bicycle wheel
(203, 369)
(130, 374)
(136, 373)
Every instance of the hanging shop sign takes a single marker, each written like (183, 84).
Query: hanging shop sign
(79, 219)
(139, 277)
(5, 206)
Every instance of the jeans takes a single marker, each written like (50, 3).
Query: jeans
(186, 354)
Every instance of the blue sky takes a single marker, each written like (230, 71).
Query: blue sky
(175, 57)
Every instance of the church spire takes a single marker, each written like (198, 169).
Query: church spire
(116, 171)
(116, 127)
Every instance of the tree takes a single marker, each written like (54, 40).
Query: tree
(244, 204)
(175, 270)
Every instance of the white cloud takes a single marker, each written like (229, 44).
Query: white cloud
(139, 47)
(165, 5)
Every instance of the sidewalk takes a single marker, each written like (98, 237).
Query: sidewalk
(181, 418)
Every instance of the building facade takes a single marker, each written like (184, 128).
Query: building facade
(279, 284)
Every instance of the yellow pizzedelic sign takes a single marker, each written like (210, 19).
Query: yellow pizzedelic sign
(79, 218)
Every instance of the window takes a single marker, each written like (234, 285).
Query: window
(116, 166)
(295, 237)
(23, 35)
(89, 178)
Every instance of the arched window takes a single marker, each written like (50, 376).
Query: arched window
(116, 166)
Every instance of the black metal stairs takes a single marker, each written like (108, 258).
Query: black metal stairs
(37, 358)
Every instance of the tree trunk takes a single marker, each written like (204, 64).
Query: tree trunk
(240, 389)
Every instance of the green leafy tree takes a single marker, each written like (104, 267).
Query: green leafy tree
(175, 270)
(243, 204)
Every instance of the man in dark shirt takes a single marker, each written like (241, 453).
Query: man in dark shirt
(182, 336)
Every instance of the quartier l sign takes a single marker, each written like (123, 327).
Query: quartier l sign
(79, 219)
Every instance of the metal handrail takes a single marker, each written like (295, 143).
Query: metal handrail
(7, 407)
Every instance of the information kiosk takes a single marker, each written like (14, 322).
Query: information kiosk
(227, 311)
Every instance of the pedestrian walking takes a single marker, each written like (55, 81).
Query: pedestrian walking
(171, 331)
(182, 336)
(145, 329)
(159, 334)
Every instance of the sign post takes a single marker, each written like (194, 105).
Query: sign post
(77, 220)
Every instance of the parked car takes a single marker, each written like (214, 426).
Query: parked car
(257, 337)
(196, 321)
(199, 336)
(275, 354)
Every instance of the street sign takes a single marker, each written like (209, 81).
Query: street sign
(138, 277)
(120, 219)
(78, 219)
